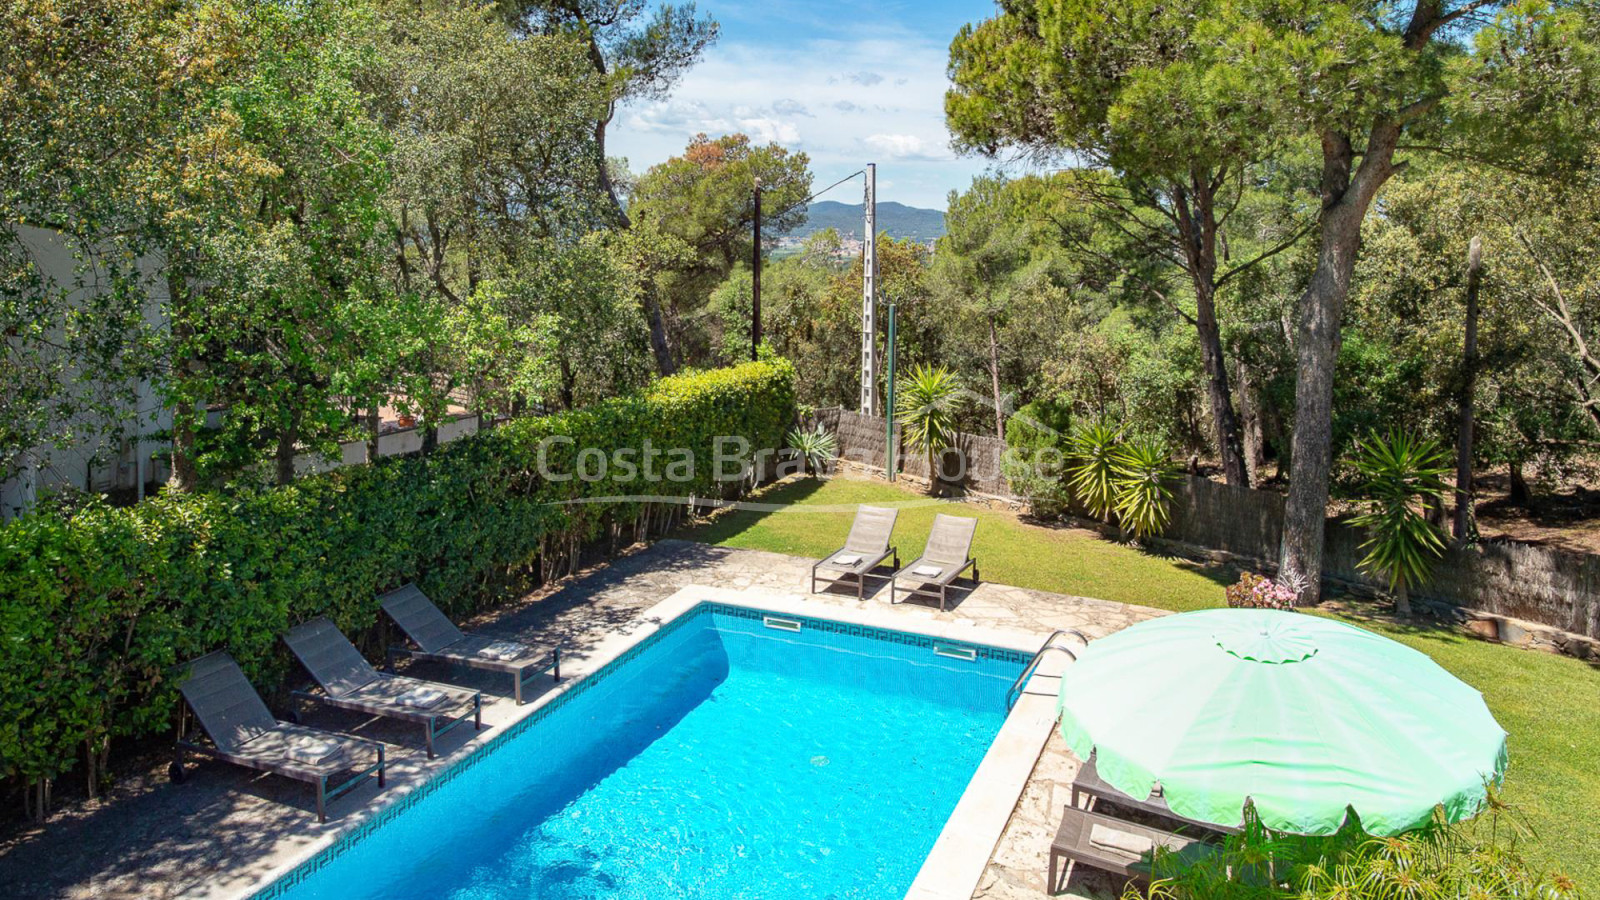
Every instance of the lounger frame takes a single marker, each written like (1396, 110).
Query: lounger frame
(1072, 843)
(869, 537)
(949, 547)
(1089, 786)
(315, 775)
(430, 720)
(453, 645)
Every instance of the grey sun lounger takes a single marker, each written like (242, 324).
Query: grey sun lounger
(866, 547)
(438, 639)
(946, 556)
(1113, 845)
(348, 681)
(243, 732)
(1088, 784)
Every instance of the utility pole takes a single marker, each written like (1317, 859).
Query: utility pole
(888, 387)
(869, 298)
(755, 282)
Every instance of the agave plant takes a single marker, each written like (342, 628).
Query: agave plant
(1142, 474)
(1091, 471)
(1401, 473)
(815, 446)
(926, 403)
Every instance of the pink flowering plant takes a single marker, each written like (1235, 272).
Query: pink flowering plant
(1254, 591)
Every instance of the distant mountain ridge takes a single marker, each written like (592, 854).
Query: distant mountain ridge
(900, 221)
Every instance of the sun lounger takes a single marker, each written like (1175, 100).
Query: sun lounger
(1089, 785)
(438, 639)
(1112, 845)
(865, 548)
(350, 682)
(942, 561)
(244, 733)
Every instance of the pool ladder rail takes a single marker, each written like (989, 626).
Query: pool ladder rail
(1015, 691)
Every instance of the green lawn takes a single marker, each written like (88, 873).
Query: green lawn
(1549, 704)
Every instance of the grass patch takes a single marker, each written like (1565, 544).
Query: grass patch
(814, 516)
(1549, 704)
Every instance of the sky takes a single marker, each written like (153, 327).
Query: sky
(848, 83)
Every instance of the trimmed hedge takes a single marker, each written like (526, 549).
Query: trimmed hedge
(96, 609)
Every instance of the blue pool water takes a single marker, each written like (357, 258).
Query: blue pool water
(724, 760)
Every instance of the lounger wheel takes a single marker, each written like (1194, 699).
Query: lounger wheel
(177, 772)
(294, 714)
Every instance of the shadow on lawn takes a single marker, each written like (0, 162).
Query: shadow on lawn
(725, 524)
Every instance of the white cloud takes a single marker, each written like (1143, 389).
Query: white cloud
(793, 92)
(765, 130)
(906, 146)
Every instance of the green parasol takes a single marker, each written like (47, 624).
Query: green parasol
(1305, 716)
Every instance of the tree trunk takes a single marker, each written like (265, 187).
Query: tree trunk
(1250, 424)
(184, 476)
(1402, 601)
(1197, 224)
(994, 378)
(1225, 421)
(1346, 196)
(658, 335)
(1521, 497)
(1465, 527)
(374, 431)
(284, 453)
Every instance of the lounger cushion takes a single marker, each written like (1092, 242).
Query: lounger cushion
(1122, 841)
(313, 751)
(927, 571)
(505, 651)
(847, 559)
(419, 698)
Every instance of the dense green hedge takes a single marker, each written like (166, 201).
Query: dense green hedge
(95, 609)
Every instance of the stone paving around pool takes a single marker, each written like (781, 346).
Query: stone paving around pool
(226, 829)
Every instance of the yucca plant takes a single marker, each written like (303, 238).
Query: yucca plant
(926, 403)
(1401, 474)
(815, 447)
(1142, 474)
(1091, 471)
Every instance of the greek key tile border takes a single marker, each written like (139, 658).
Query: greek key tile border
(383, 816)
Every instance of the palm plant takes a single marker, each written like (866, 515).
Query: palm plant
(1142, 472)
(1091, 470)
(926, 403)
(1402, 473)
(815, 447)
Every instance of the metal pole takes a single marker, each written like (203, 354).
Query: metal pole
(755, 282)
(869, 296)
(888, 413)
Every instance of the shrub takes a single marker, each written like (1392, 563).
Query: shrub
(926, 404)
(1254, 591)
(1142, 470)
(95, 608)
(1036, 453)
(816, 447)
(1092, 471)
(1440, 861)
(1400, 474)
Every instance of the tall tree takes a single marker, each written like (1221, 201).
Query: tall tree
(1353, 78)
(704, 202)
(1109, 86)
(640, 50)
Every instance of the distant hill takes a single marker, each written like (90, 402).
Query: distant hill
(899, 220)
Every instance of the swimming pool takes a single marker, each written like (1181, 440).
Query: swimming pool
(727, 756)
